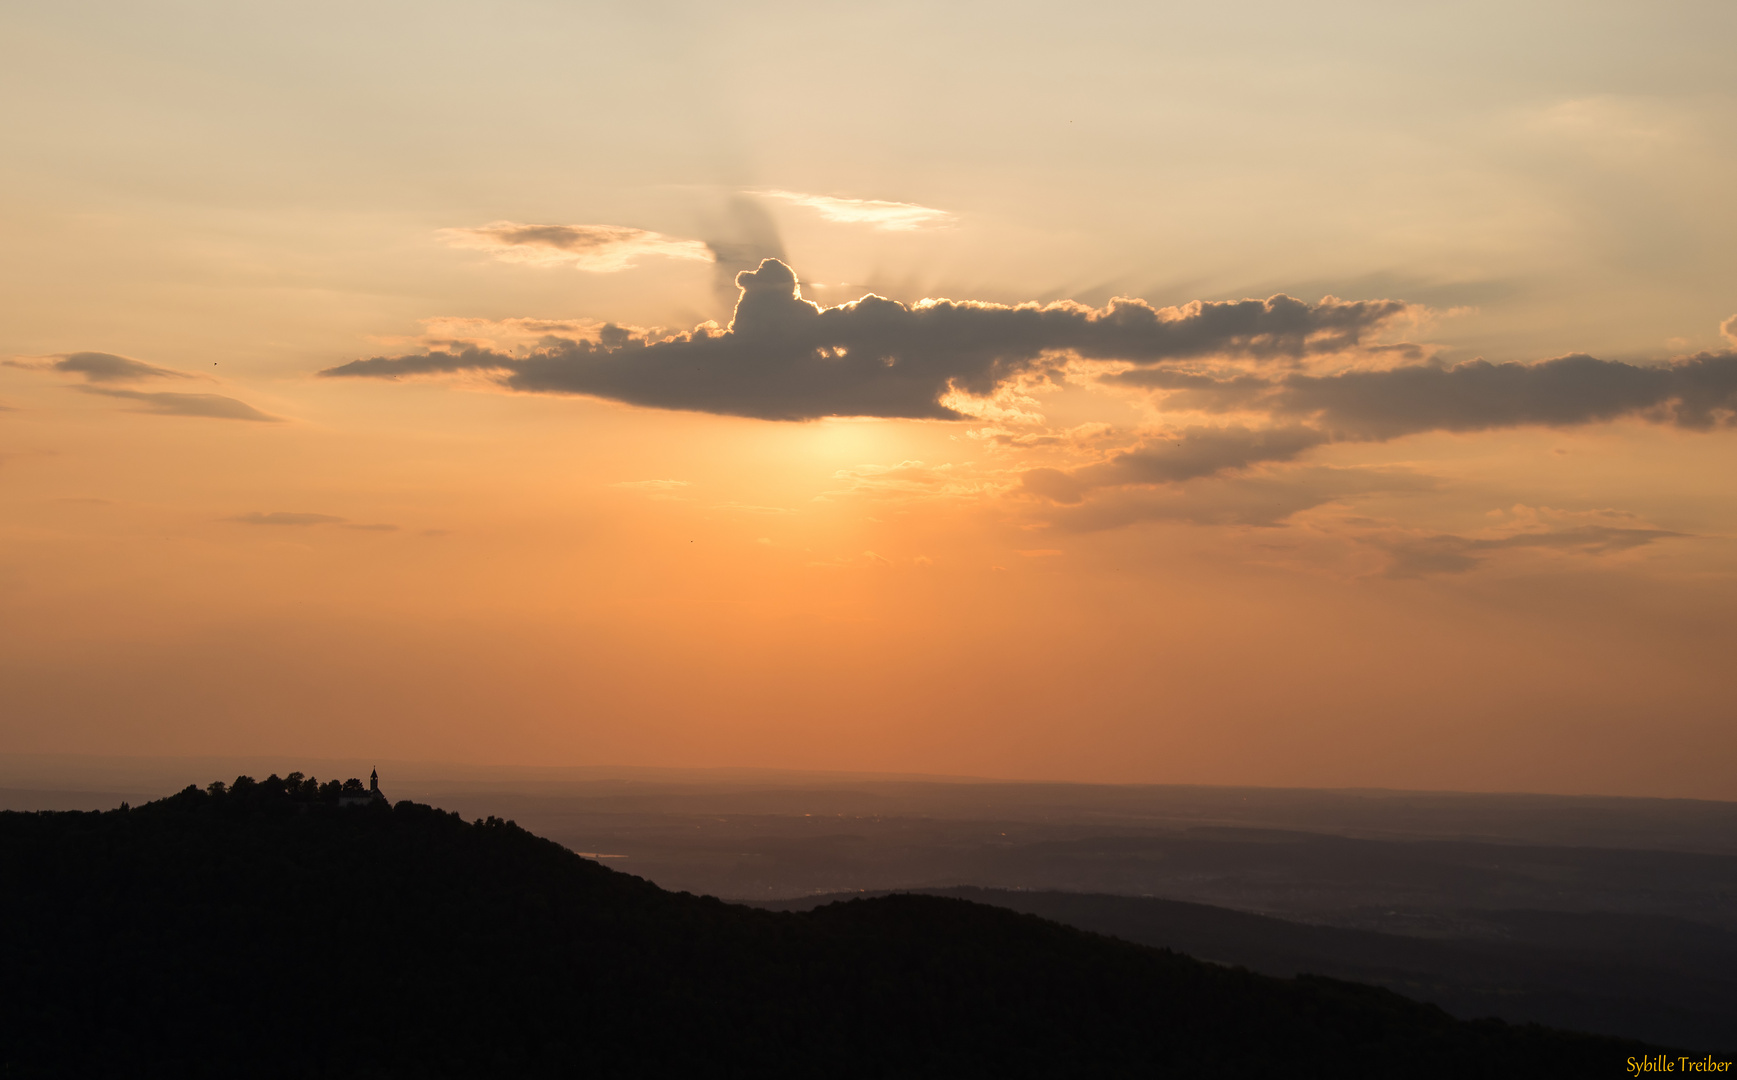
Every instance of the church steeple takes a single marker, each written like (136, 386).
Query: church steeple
(374, 781)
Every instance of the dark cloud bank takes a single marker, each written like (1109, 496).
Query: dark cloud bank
(1698, 393)
(784, 358)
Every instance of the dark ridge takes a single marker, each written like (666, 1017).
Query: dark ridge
(1636, 976)
(288, 929)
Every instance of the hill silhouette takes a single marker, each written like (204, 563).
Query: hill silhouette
(263, 929)
(1651, 978)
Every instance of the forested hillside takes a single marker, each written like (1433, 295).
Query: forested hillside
(261, 929)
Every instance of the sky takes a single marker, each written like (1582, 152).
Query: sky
(1246, 393)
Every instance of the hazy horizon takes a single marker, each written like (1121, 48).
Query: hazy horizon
(57, 770)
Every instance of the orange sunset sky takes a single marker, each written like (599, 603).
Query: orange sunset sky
(1326, 395)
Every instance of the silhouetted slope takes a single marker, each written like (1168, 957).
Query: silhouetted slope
(263, 931)
(1645, 977)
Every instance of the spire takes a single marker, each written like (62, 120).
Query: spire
(374, 781)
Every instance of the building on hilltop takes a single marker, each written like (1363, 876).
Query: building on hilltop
(353, 795)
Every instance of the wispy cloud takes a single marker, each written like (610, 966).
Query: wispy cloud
(875, 213)
(449, 331)
(101, 370)
(911, 479)
(599, 249)
(100, 367)
(1259, 500)
(293, 519)
(1697, 392)
(285, 518)
(1196, 452)
(1451, 554)
(656, 489)
(209, 406)
(751, 508)
(651, 485)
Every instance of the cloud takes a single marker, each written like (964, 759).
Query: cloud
(909, 479)
(1193, 453)
(1260, 500)
(657, 489)
(458, 332)
(211, 406)
(1078, 437)
(284, 518)
(1697, 392)
(651, 485)
(1450, 554)
(1203, 451)
(876, 213)
(1728, 329)
(1694, 392)
(752, 508)
(600, 249)
(98, 369)
(863, 560)
(1262, 368)
(101, 367)
(785, 358)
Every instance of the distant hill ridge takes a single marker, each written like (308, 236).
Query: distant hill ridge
(1645, 977)
(263, 929)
